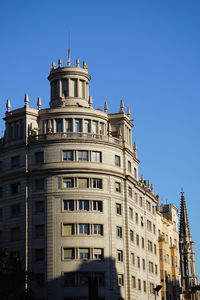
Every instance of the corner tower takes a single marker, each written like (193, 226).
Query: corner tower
(187, 255)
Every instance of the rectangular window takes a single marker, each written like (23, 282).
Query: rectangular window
(98, 229)
(149, 225)
(84, 253)
(155, 249)
(68, 182)
(141, 202)
(156, 269)
(39, 207)
(139, 284)
(59, 125)
(68, 204)
(65, 87)
(117, 187)
(133, 282)
(97, 253)
(39, 184)
(143, 264)
(142, 221)
(117, 161)
(136, 218)
(101, 126)
(97, 183)
(78, 125)
(132, 258)
(137, 240)
(129, 166)
(144, 286)
(83, 183)
(68, 125)
(118, 209)
(40, 254)
(84, 229)
(119, 231)
(15, 161)
(83, 205)
(68, 253)
(151, 288)
(154, 228)
(39, 231)
(67, 155)
(130, 193)
(119, 255)
(130, 213)
(135, 173)
(15, 234)
(142, 239)
(96, 156)
(82, 155)
(131, 235)
(82, 89)
(74, 87)
(97, 205)
(94, 127)
(68, 229)
(15, 210)
(150, 246)
(150, 267)
(86, 126)
(138, 261)
(15, 188)
(120, 280)
(148, 204)
(39, 157)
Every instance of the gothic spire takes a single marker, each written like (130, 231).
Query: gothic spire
(184, 224)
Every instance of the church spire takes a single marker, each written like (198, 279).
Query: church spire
(184, 224)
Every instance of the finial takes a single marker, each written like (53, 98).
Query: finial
(68, 60)
(39, 103)
(119, 133)
(8, 106)
(148, 184)
(135, 147)
(26, 100)
(122, 106)
(152, 188)
(105, 107)
(53, 65)
(84, 65)
(77, 63)
(142, 178)
(90, 101)
(59, 63)
(128, 112)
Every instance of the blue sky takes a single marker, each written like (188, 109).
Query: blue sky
(144, 52)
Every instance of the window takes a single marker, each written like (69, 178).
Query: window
(136, 198)
(148, 204)
(156, 269)
(82, 89)
(39, 254)
(15, 210)
(15, 161)
(67, 155)
(133, 282)
(83, 205)
(143, 264)
(132, 258)
(39, 184)
(74, 87)
(97, 205)
(129, 166)
(96, 156)
(68, 253)
(141, 202)
(83, 183)
(149, 225)
(117, 187)
(118, 209)
(119, 231)
(39, 231)
(15, 234)
(151, 288)
(39, 279)
(68, 182)
(142, 239)
(68, 204)
(15, 188)
(150, 246)
(39, 157)
(68, 229)
(120, 280)
(94, 127)
(131, 235)
(86, 126)
(142, 222)
(138, 261)
(135, 173)
(82, 155)
(98, 229)
(119, 255)
(154, 228)
(101, 128)
(136, 218)
(130, 191)
(59, 125)
(65, 87)
(139, 284)
(78, 125)
(97, 254)
(155, 249)
(39, 206)
(69, 279)
(97, 183)
(84, 229)
(68, 125)
(84, 253)
(150, 267)
(144, 286)
(117, 161)
(130, 213)
(137, 240)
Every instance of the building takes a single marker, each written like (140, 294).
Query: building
(71, 203)
(168, 240)
(189, 280)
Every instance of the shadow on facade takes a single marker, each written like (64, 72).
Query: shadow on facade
(96, 280)
(172, 290)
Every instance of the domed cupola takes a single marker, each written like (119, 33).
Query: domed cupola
(69, 85)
